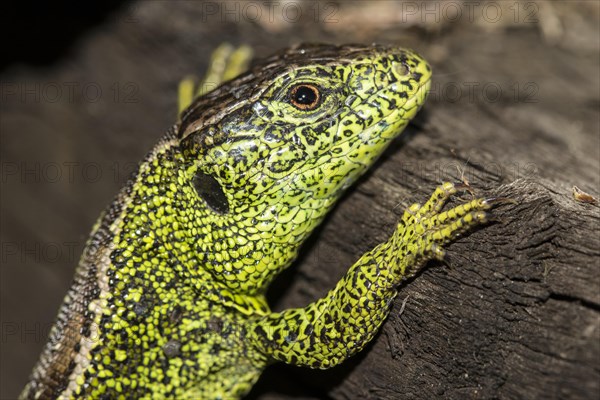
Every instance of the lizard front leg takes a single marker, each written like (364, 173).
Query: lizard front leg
(226, 62)
(333, 328)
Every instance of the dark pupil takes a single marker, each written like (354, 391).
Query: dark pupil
(305, 95)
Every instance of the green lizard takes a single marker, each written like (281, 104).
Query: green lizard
(168, 299)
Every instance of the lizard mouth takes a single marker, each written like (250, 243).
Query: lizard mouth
(404, 113)
(416, 101)
(376, 137)
(422, 93)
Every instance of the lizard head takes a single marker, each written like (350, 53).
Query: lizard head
(277, 146)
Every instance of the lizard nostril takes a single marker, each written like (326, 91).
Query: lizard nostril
(401, 68)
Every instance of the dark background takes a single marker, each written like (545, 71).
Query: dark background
(514, 313)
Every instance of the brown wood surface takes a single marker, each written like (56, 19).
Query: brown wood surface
(513, 313)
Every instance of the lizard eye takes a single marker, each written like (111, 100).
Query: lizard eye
(305, 96)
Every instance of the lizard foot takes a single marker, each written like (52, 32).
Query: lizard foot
(425, 229)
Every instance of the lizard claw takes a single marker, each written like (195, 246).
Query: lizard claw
(492, 201)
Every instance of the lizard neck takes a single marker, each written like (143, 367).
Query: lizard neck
(241, 250)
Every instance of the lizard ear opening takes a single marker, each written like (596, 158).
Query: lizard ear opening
(209, 189)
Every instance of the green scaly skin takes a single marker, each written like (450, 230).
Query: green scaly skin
(168, 299)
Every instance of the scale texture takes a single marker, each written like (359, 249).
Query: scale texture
(168, 299)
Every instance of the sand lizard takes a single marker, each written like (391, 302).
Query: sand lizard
(168, 299)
